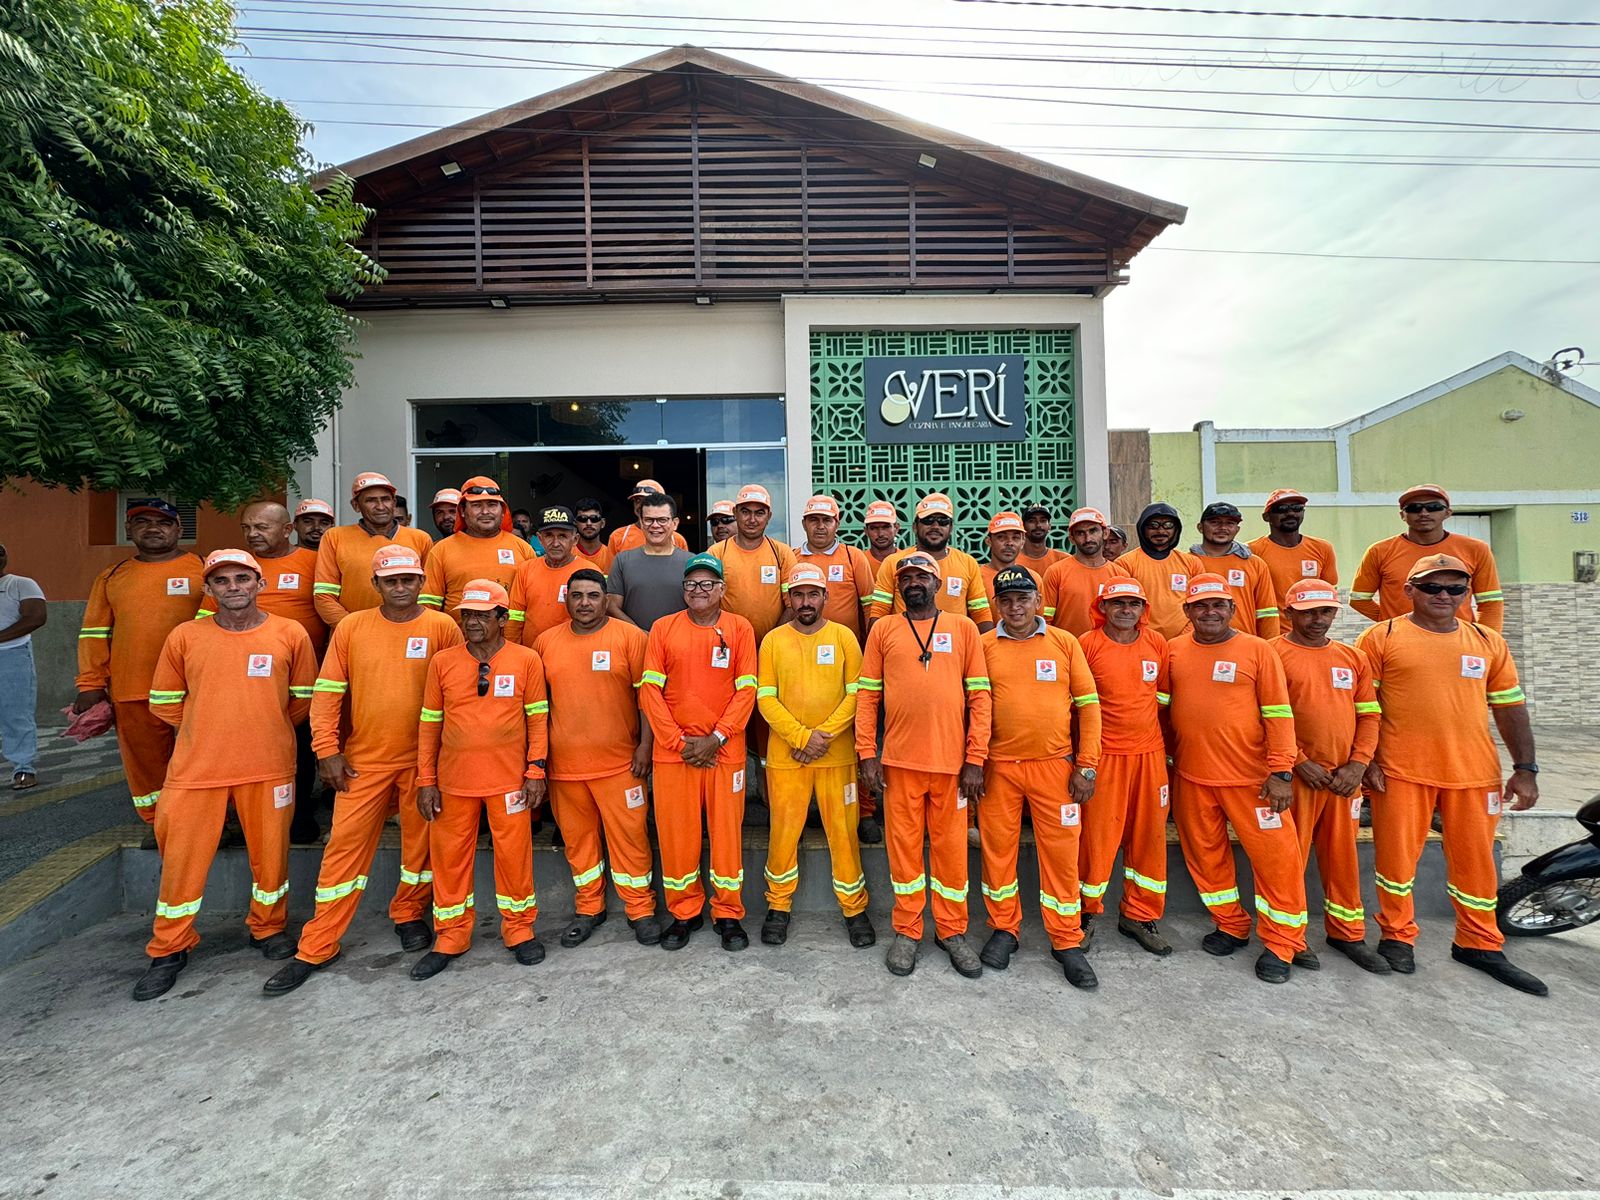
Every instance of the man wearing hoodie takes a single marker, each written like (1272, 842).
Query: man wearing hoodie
(1162, 568)
(1255, 595)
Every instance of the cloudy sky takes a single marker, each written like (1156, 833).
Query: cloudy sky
(1384, 161)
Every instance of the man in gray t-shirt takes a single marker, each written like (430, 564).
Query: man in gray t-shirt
(22, 610)
(645, 584)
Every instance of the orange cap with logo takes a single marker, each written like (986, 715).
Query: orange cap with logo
(1087, 516)
(821, 506)
(1281, 495)
(1208, 585)
(935, 503)
(314, 506)
(879, 512)
(1422, 491)
(805, 575)
(483, 595)
(722, 508)
(445, 496)
(1436, 564)
(1311, 593)
(396, 560)
(1119, 589)
(218, 559)
(753, 493)
(1005, 520)
(369, 479)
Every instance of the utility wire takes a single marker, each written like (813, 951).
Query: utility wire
(1247, 12)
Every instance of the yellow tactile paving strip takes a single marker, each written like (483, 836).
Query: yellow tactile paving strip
(13, 803)
(35, 883)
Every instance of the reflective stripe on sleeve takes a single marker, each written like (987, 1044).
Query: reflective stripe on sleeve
(326, 589)
(1276, 710)
(654, 677)
(94, 631)
(1086, 699)
(332, 686)
(300, 692)
(1368, 706)
(744, 681)
(537, 707)
(167, 697)
(766, 691)
(1509, 696)
(868, 684)
(433, 715)
(977, 683)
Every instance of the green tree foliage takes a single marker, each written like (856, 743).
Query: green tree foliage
(168, 275)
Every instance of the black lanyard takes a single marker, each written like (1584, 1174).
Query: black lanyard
(926, 657)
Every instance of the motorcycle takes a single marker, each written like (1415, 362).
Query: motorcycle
(1557, 891)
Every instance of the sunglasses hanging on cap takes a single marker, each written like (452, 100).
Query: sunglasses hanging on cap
(479, 489)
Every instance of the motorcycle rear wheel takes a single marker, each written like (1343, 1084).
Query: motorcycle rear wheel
(1533, 907)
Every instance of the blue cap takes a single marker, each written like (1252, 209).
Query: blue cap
(703, 562)
(153, 504)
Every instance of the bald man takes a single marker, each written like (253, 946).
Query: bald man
(287, 576)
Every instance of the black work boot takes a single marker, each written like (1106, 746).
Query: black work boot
(431, 963)
(1307, 960)
(277, 945)
(731, 932)
(775, 929)
(530, 952)
(962, 957)
(861, 932)
(1271, 969)
(1222, 944)
(292, 976)
(997, 951)
(160, 975)
(1075, 966)
(1363, 955)
(676, 935)
(869, 832)
(414, 935)
(646, 930)
(1496, 965)
(902, 956)
(1400, 956)
(580, 927)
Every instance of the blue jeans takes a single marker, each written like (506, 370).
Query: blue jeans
(19, 692)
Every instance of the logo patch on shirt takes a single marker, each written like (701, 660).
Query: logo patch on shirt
(1268, 819)
(600, 660)
(259, 667)
(1235, 578)
(942, 644)
(1164, 794)
(1343, 678)
(769, 573)
(505, 556)
(505, 685)
(1069, 814)
(417, 647)
(283, 795)
(738, 781)
(1472, 666)
(1149, 671)
(719, 657)
(1180, 583)
(835, 572)
(825, 655)
(952, 586)
(289, 583)
(1044, 670)
(1494, 803)
(849, 793)
(177, 587)
(1224, 672)
(1355, 807)
(561, 594)
(1309, 568)
(634, 797)
(516, 802)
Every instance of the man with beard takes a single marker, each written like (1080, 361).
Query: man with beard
(1289, 554)
(480, 548)
(882, 527)
(1037, 553)
(960, 591)
(446, 510)
(312, 519)
(1073, 584)
(1161, 568)
(1380, 589)
(1255, 598)
(344, 557)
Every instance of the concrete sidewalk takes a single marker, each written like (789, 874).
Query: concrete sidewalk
(616, 1070)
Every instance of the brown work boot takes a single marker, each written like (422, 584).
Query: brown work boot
(902, 956)
(1146, 934)
(962, 956)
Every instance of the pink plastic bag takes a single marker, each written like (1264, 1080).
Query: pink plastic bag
(92, 722)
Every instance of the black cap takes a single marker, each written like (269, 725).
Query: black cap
(557, 516)
(1221, 508)
(1014, 579)
(1035, 507)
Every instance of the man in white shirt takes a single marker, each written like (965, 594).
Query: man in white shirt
(22, 611)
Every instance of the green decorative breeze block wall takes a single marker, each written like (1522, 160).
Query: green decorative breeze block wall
(981, 478)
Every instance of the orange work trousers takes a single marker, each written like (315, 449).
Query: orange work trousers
(789, 792)
(359, 815)
(1400, 820)
(188, 824)
(1203, 814)
(1128, 812)
(146, 742)
(452, 851)
(1327, 823)
(685, 796)
(926, 806)
(616, 805)
(1057, 824)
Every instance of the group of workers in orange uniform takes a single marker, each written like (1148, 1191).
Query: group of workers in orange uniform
(1098, 696)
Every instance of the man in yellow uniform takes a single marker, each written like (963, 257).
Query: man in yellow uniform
(480, 548)
(1255, 596)
(807, 693)
(1289, 554)
(960, 591)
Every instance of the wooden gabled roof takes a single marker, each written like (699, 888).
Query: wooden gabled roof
(688, 170)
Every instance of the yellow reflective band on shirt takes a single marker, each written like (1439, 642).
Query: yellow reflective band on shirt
(959, 896)
(1343, 914)
(1163, 697)
(433, 715)
(1368, 706)
(1094, 890)
(870, 685)
(744, 681)
(1362, 595)
(413, 878)
(1265, 612)
(766, 691)
(1065, 908)
(301, 692)
(1287, 919)
(1488, 597)
(331, 685)
(327, 895)
(514, 904)
(1086, 699)
(517, 614)
(167, 697)
(622, 879)
(1156, 887)
(655, 677)
(866, 601)
(451, 912)
(978, 604)
(147, 800)
(176, 912)
(850, 889)
(1004, 892)
(909, 889)
(204, 613)
(727, 883)
(265, 897)
(326, 589)
(1218, 899)
(1049, 612)
(782, 877)
(880, 598)
(1276, 710)
(95, 631)
(1395, 887)
(850, 689)
(977, 683)
(537, 707)
(1509, 696)
(588, 876)
(436, 601)
(682, 882)
(1466, 899)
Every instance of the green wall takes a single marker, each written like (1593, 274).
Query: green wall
(1241, 465)
(1175, 473)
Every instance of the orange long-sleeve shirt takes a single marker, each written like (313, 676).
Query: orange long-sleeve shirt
(1070, 590)
(1435, 688)
(1038, 683)
(936, 715)
(287, 591)
(1132, 683)
(472, 745)
(807, 682)
(1378, 592)
(1166, 584)
(344, 567)
(699, 679)
(460, 558)
(1230, 711)
(851, 578)
(539, 597)
(1255, 596)
(132, 607)
(594, 681)
(1313, 558)
(960, 593)
(375, 670)
(1335, 703)
(631, 537)
(235, 698)
(756, 582)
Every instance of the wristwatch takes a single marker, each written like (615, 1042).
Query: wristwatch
(537, 762)
(722, 738)
(1088, 773)
(1530, 768)
(1283, 776)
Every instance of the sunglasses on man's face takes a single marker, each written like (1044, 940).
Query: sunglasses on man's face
(1430, 506)
(592, 519)
(478, 489)
(483, 679)
(1285, 509)
(720, 520)
(1449, 589)
(937, 522)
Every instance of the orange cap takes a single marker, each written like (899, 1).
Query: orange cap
(918, 561)
(223, 558)
(1208, 585)
(753, 493)
(1087, 516)
(880, 512)
(488, 490)
(722, 508)
(1418, 491)
(314, 506)
(483, 595)
(1121, 589)
(445, 496)
(821, 506)
(396, 560)
(1311, 593)
(644, 487)
(369, 479)
(1435, 563)
(805, 575)
(1279, 496)
(935, 502)
(1005, 520)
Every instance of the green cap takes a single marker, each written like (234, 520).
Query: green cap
(703, 562)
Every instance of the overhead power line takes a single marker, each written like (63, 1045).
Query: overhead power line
(1323, 16)
(1421, 258)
